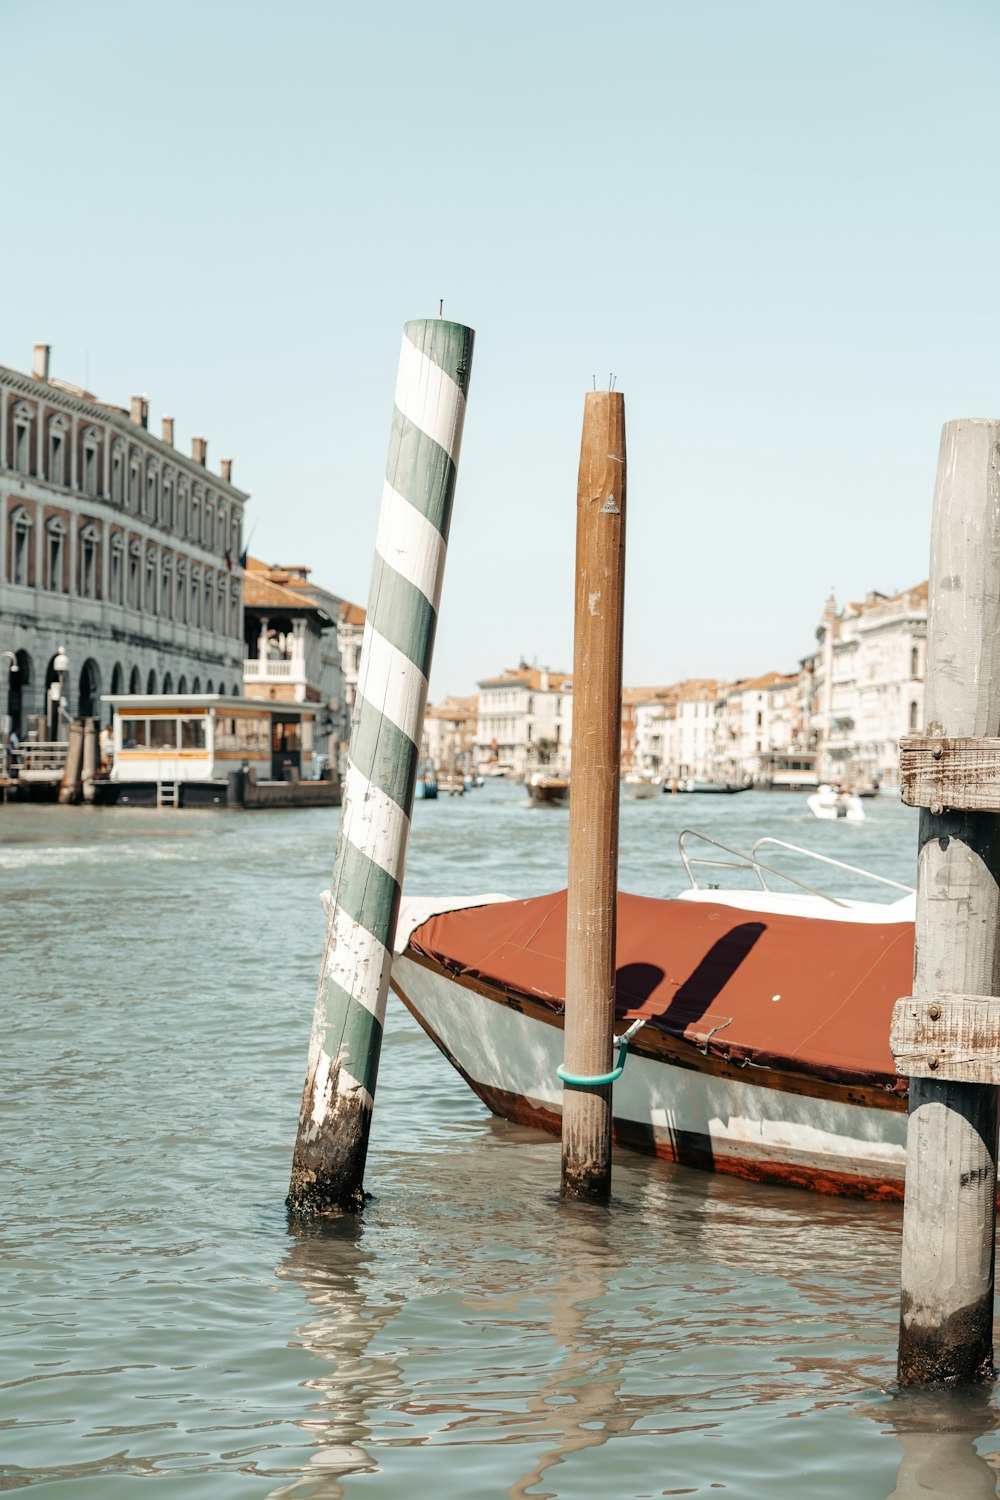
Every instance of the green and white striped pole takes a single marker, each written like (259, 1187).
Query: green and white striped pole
(335, 1117)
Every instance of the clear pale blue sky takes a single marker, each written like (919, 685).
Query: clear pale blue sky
(776, 222)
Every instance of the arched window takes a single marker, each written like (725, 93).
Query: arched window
(913, 715)
(182, 684)
(151, 681)
(220, 617)
(134, 472)
(20, 548)
(117, 568)
(90, 452)
(222, 528)
(182, 507)
(149, 591)
(168, 683)
(167, 493)
(196, 685)
(134, 681)
(134, 575)
(89, 539)
(194, 616)
(21, 456)
(234, 537)
(152, 490)
(166, 586)
(180, 608)
(55, 555)
(194, 528)
(915, 661)
(206, 614)
(208, 686)
(118, 471)
(88, 702)
(117, 677)
(209, 536)
(58, 427)
(234, 609)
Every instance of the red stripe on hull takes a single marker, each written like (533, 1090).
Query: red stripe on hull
(690, 1150)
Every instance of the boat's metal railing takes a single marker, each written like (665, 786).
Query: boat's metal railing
(828, 859)
(753, 862)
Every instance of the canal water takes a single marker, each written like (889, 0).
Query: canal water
(468, 1335)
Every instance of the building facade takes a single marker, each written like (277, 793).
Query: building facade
(449, 737)
(867, 684)
(290, 649)
(526, 719)
(119, 556)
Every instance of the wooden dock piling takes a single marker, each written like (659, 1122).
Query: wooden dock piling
(591, 901)
(335, 1116)
(946, 1311)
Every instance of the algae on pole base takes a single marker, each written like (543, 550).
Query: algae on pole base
(335, 1116)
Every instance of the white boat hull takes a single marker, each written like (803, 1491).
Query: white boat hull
(701, 1112)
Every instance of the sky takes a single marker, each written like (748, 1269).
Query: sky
(774, 221)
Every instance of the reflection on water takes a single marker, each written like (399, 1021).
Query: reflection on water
(471, 1335)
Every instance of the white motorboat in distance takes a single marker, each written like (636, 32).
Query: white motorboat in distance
(828, 802)
(640, 785)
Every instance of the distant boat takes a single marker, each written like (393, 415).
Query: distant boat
(829, 803)
(641, 784)
(699, 784)
(547, 791)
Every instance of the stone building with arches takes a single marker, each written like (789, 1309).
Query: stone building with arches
(119, 556)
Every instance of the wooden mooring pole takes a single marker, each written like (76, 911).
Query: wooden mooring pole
(335, 1117)
(949, 1219)
(591, 903)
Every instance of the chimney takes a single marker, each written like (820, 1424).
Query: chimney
(226, 469)
(139, 411)
(168, 430)
(199, 450)
(40, 361)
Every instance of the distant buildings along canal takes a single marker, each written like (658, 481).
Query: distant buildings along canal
(119, 556)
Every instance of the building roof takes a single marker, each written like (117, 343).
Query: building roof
(638, 695)
(698, 689)
(261, 591)
(352, 614)
(531, 678)
(768, 680)
(455, 708)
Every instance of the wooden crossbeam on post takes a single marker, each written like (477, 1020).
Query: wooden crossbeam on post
(591, 901)
(946, 1305)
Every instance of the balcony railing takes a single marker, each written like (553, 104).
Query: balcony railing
(253, 666)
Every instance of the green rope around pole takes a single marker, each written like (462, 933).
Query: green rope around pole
(599, 1079)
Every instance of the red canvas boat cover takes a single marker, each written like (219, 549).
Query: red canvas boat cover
(789, 992)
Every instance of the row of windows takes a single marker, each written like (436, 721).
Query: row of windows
(157, 584)
(251, 736)
(145, 489)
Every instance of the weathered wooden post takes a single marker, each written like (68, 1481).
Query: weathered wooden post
(89, 759)
(69, 786)
(335, 1117)
(947, 1036)
(591, 903)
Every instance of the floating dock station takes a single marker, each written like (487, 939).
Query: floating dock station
(204, 750)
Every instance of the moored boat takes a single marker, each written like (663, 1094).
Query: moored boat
(830, 803)
(640, 785)
(764, 1051)
(547, 791)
